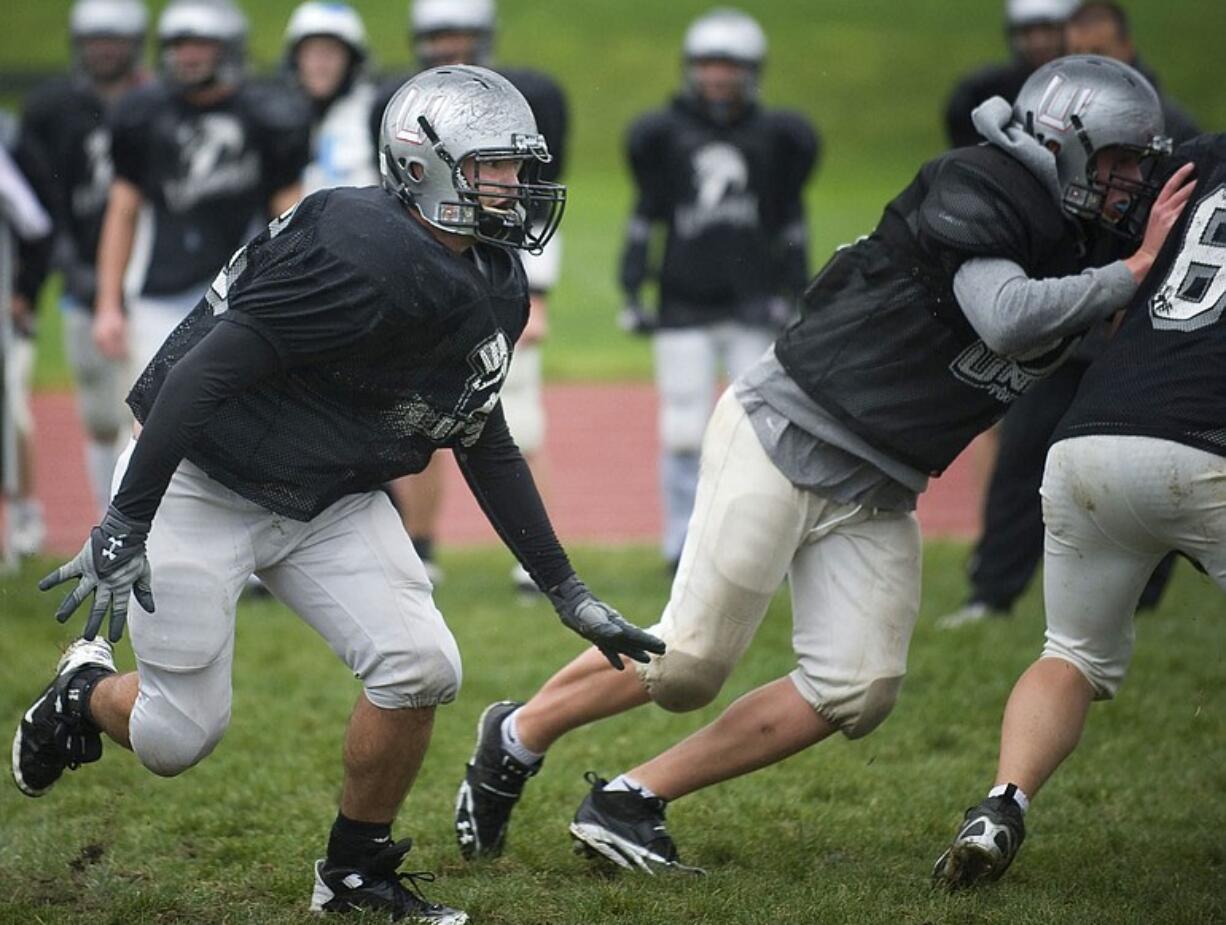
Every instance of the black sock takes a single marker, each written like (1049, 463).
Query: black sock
(424, 546)
(352, 843)
(80, 689)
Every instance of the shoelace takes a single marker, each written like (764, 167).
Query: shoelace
(412, 878)
(388, 859)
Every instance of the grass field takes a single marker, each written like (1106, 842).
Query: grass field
(873, 75)
(1129, 831)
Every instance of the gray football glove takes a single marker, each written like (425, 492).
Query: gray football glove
(112, 564)
(601, 625)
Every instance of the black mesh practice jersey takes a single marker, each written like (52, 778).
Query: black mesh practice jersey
(1163, 374)
(729, 195)
(388, 345)
(205, 173)
(64, 121)
(545, 98)
(882, 343)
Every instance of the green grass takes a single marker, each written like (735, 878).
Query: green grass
(1128, 831)
(873, 75)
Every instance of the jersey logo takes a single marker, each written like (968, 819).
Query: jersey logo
(489, 361)
(90, 197)
(1006, 378)
(1193, 294)
(213, 161)
(721, 181)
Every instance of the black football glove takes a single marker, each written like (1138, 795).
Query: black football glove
(635, 319)
(600, 624)
(112, 564)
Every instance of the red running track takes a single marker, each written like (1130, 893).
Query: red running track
(601, 451)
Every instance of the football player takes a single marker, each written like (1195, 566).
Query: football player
(724, 176)
(65, 123)
(361, 332)
(1010, 544)
(325, 54)
(462, 32)
(1034, 30)
(1136, 470)
(199, 155)
(911, 341)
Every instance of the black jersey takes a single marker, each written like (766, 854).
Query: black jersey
(1163, 374)
(206, 173)
(390, 346)
(64, 121)
(1003, 80)
(544, 96)
(882, 343)
(730, 197)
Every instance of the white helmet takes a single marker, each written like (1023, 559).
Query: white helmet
(724, 34)
(212, 20)
(335, 20)
(430, 17)
(1079, 105)
(1022, 13)
(443, 117)
(126, 19)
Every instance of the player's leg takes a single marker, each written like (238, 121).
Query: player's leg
(174, 709)
(742, 345)
(1098, 554)
(685, 370)
(352, 574)
(523, 403)
(747, 522)
(419, 500)
(855, 592)
(99, 386)
(24, 514)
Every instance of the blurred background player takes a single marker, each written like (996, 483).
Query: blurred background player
(23, 223)
(64, 126)
(326, 58)
(199, 155)
(462, 32)
(1034, 30)
(1010, 543)
(724, 175)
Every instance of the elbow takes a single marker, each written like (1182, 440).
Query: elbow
(1005, 341)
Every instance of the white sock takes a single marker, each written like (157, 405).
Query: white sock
(100, 459)
(1019, 795)
(515, 746)
(626, 782)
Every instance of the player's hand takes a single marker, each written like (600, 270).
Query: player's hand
(601, 625)
(111, 333)
(112, 564)
(1163, 215)
(635, 319)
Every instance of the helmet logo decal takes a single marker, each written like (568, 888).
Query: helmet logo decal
(409, 128)
(721, 181)
(1061, 103)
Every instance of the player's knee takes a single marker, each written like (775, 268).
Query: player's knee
(855, 708)
(424, 676)
(680, 682)
(168, 742)
(1104, 674)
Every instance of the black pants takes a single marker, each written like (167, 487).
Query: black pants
(1011, 545)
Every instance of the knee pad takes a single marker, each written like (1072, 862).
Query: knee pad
(423, 677)
(168, 741)
(855, 708)
(679, 682)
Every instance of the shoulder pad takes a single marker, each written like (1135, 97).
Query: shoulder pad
(981, 202)
(138, 105)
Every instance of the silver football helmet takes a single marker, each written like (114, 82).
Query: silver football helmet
(428, 18)
(123, 19)
(335, 20)
(448, 117)
(1022, 13)
(1080, 105)
(725, 34)
(211, 20)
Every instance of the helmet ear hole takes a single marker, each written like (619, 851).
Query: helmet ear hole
(415, 170)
